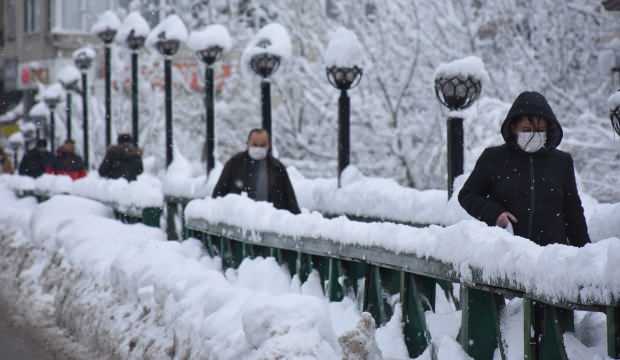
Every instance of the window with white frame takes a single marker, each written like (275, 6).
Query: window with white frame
(78, 15)
(32, 16)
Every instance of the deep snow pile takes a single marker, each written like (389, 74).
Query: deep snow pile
(144, 192)
(498, 254)
(179, 179)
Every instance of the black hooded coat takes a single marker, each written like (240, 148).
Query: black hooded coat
(539, 189)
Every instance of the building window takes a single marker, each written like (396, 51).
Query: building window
(11, 22)
(32, 16)
(77, 16)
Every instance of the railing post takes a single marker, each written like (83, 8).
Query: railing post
(613, 332)
(304, 266)
(544, 327)
(373, 295)
(415, 330)
(334, 286)
(480, 327)
(151, 216)
(171, 211)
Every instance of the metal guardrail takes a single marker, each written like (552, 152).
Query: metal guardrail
(149, 216)
(374, 274)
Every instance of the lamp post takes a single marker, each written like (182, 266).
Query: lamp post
(135, 42)
(83, 59)
(265, 64)
(344, 79)
(106, 28)
(69, 78)
(456, 92)
(52, 97)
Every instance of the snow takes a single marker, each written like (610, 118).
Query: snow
(134, 21)
(271, 39)
(180, 182)
(16, 138)
(86, 50)
(171, 28)
(106, 21)
(212, 35)
(54, 91)
(498, 254)
(468, 66)
(344, 49)
(69, 74)
(39, 109)
(614, 100)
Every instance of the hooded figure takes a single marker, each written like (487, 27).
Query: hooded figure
(68, 163)
(37, 161)
(123, 160)
(260, 175)
(527, 181)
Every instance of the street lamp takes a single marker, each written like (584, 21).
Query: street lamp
(69, 78)
(38, 115)
(83, 59)
(457, 86)
(209, 45)
(614, 111)
(344, 72)
(16, 141)
(264, 55)
(106, 28)
(52, 97)
(166, 38)
(133, 33)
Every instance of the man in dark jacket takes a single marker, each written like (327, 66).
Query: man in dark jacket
(257, 173)
(529, 185)
(37, 161)
(68, 163)
(122, 160)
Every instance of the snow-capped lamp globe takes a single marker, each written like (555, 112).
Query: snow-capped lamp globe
(614, 111)
(458, 84)
(106, 27)
(209, 45)
(52, 95)
(69, 78)
(16, 142)
(83, 58)
(265, 64)
(343, 68)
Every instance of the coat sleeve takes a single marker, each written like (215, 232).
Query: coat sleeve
(576, 227)
(289, 191)
(104, 168)
(474, 196)
(222, 188)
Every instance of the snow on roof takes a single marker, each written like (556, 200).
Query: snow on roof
(344, 49)
(171, 27)
(106, 21)
(134, 21)
(468, 66)
(271, 39)
(53, 91)
(87, 50)
(39, 109)
(212, 35)
(69, 74)
(614, 100)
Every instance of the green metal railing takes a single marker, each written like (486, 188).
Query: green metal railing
(373, 275)
(149, 216)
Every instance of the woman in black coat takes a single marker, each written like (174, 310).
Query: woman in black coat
(527, 182)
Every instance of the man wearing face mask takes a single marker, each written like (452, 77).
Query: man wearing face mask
(257, 173)
(529, 186)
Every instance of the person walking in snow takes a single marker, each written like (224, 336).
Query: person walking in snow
(123, 160)
(528, 185)
(37, 161)
(67, 162)
(259, 174)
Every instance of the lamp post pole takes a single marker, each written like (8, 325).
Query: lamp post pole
(455, 150)
(85, 117)
(344, 132)
(134, 96)
(168, 106)
(108, 95)
(265, 87)
(69, 99)
(210, 120)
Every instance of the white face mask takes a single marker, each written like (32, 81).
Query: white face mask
(257, 152)
(531, 142)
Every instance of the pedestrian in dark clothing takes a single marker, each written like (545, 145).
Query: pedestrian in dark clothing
(260, 175)
(529, 185)
(68, 163)
(37, 161)
(123, 160)
(527, 182)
